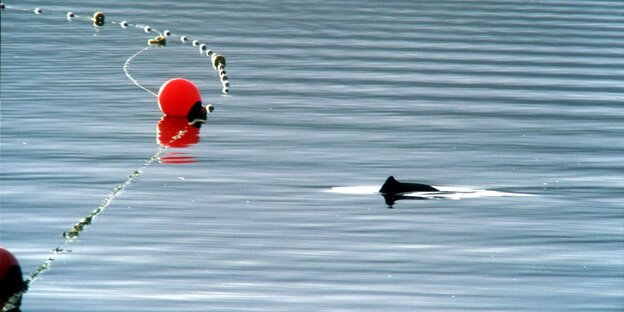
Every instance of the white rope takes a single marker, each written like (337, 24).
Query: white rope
(125, 68)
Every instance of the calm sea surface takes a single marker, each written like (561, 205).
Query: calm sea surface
(513, 97)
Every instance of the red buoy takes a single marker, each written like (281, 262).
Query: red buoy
(11, 281)
(177, 96)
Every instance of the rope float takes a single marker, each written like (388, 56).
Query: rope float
(98, 19)
(158, 41)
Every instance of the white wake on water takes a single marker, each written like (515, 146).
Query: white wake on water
(355, 190)
(445, 192)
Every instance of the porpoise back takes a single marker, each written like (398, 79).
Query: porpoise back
(392, 186)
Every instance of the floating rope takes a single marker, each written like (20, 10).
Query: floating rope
(125, 68)
(98, 19)
(71, 235)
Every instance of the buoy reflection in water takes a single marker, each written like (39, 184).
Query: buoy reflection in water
(176, 132)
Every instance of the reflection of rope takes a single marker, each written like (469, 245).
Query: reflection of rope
(125, 68)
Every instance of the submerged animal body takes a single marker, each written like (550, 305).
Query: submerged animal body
(393, 190)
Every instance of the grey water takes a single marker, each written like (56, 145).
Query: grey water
(514, 97)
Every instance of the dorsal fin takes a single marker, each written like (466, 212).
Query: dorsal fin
(392, 186)
(389, 187)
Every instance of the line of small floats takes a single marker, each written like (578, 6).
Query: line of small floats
(217, 60)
